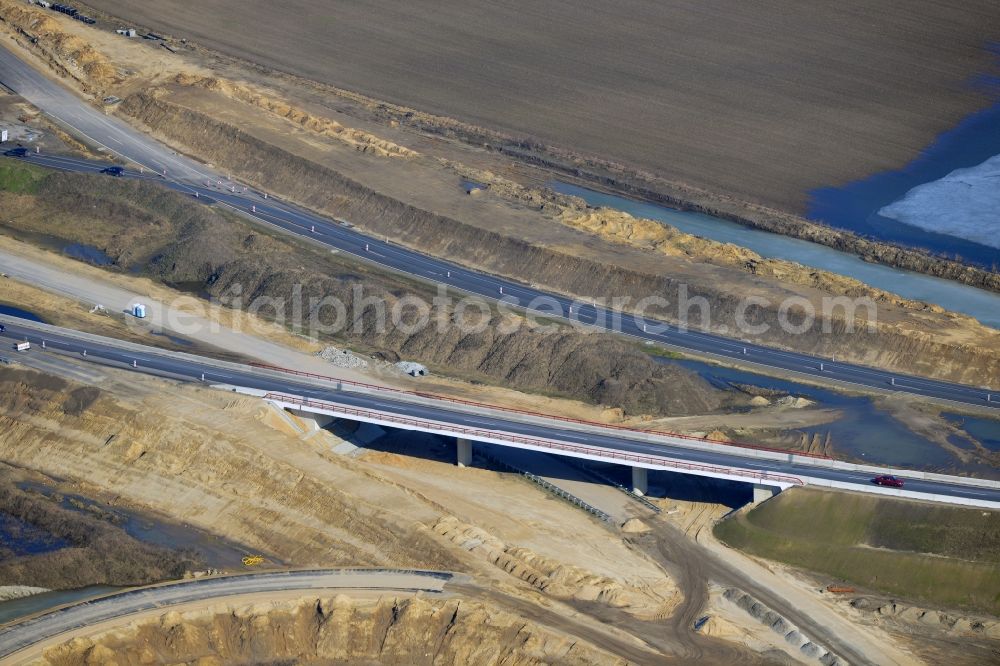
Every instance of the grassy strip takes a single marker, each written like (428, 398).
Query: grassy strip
(943, 556)
(20, 178)
(660, 352)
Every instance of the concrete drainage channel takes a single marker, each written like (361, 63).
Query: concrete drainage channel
(783, 627)
(555, 490)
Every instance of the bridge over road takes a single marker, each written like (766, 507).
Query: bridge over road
(468, 423)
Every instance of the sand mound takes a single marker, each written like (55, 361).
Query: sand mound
(556, 578)
(65, 51)
(360, 140)
(634, 526)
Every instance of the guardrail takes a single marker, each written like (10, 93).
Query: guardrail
(552, 488)
(527, 412)
(501, 437)
(605, 478)
(791, 457)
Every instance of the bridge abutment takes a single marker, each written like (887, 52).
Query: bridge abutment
(762, 493)
(463, 452)
(315, 421)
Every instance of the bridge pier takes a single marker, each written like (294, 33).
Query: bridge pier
(762, 492)
(640, 480)
(463, 451)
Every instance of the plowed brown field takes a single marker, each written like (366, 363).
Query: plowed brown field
(765, 99)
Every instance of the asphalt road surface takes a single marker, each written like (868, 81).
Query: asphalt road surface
(34, 630)
(192, 368)
(184, 175)
(187, 176)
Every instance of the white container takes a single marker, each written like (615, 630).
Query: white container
(139, 310)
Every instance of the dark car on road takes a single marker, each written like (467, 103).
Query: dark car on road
(888, 480)
(114, 171)
(16, 152)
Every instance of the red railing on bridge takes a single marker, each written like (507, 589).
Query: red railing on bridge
(530, 441)
(526, 412)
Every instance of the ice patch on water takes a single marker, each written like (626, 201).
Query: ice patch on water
(965, 203)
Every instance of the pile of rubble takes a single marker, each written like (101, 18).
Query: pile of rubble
(342, 358)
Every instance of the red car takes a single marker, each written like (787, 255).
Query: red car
(888, 480)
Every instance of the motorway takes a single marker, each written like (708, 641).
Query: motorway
(25, 633)
(188, 367)
(187, 176)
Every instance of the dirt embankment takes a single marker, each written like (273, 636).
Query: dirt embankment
(239, 470)
(558, 579)
(65, 52)
(936, 636)
(178, 461)
(890, 345)
(621, 227)
(360, 140)
(335, 630)
(144, 227)
(70, 54)
(945, 556)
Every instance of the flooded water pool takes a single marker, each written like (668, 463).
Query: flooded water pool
(985, 431)
(14, 311)
(19, 538)
(88, 253)
(981, 304)
(855, 206)
(863, 432)
(216, 552)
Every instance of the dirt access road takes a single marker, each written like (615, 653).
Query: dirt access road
(693, 564)
(764, 100)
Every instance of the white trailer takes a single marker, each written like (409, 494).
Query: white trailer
(22, 346)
